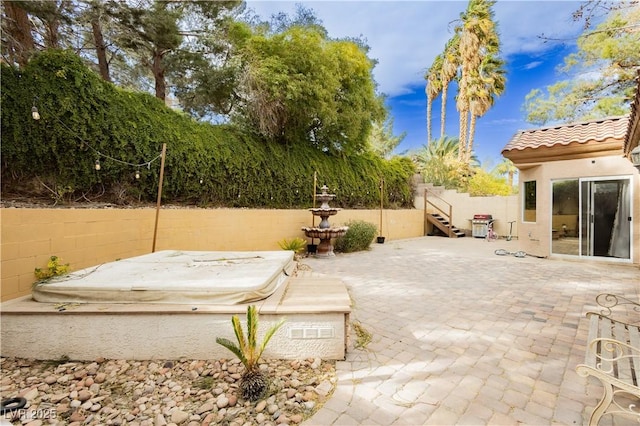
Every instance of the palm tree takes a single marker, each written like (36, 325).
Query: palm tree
(441, 148)
(478, 37)
(438, 162)
(462, 104)
(469, 59)
(485, 85)
(433, 89)
(506, 167)
(448, 71)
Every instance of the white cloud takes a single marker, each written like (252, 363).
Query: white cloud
(405, 36)
(532, 65)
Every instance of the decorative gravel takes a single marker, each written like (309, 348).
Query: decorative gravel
(161, 393)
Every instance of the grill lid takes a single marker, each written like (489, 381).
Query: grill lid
(482, 217)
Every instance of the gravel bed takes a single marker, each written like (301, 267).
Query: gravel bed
(161, 393)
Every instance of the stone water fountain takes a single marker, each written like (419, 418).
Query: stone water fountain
(324, 231)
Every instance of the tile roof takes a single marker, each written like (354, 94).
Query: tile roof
(587, 131)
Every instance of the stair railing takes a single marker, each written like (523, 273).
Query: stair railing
(448, 216)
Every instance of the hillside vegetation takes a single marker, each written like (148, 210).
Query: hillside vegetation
(87, 121)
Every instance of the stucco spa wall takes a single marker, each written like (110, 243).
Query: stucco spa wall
(88, 237)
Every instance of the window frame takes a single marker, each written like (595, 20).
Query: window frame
(527, 202)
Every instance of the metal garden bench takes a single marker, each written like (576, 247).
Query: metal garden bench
(613, 356)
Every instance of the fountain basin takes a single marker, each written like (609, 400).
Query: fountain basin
(324, 197)
(325, 233)
(323, 212)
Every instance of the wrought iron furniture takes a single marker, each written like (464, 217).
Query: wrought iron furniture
(613, 356)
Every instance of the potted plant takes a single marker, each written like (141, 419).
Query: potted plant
(296, 245)
(312, 248)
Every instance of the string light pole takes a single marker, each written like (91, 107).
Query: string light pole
(380, 238)
(155, 226)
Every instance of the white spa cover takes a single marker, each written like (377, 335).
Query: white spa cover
(178, 277)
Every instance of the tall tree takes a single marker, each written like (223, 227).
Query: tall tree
(303, 17)
(95, 14)
(603, 73)
(449, 70)
(51, 16)
(382, 141)
(300, 86)
(433, 88)
(17, 38)
(485, 84)
(506, 167)
(159, 35)
(438, 163)
(150, 31)
(206, 69)
(478, 38)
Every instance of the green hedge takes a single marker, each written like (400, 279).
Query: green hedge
(357, 238)
(85, 119)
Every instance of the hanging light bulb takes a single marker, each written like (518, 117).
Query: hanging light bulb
(34, 110)
(97, 165)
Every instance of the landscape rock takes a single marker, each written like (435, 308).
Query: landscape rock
(166, 393)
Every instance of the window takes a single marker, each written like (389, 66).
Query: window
(529, 201)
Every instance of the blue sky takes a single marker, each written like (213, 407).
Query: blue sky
(405, 37)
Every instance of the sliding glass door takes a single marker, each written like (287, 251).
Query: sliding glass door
(592, 217)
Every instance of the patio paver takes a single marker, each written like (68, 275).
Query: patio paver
(463, 336)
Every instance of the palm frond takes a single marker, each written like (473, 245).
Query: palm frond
(252, 332)
(246, 349)
(237, 329)
(269, 334)
(232, 347)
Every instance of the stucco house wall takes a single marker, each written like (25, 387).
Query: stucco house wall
(591, 151)
(535, 237)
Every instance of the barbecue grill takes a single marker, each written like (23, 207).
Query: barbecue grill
(480, 225)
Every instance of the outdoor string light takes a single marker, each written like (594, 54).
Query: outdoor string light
(35, 114)
(34, 110)
(162, 156)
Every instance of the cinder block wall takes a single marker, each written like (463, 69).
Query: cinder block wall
(88, 237)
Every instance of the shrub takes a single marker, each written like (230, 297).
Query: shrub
(296, 244)
(54, 269)
(253, 383)
(358, 237)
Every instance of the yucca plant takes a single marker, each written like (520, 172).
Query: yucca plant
(253, 383)
(296, 244)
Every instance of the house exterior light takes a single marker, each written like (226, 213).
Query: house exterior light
(635, 157)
